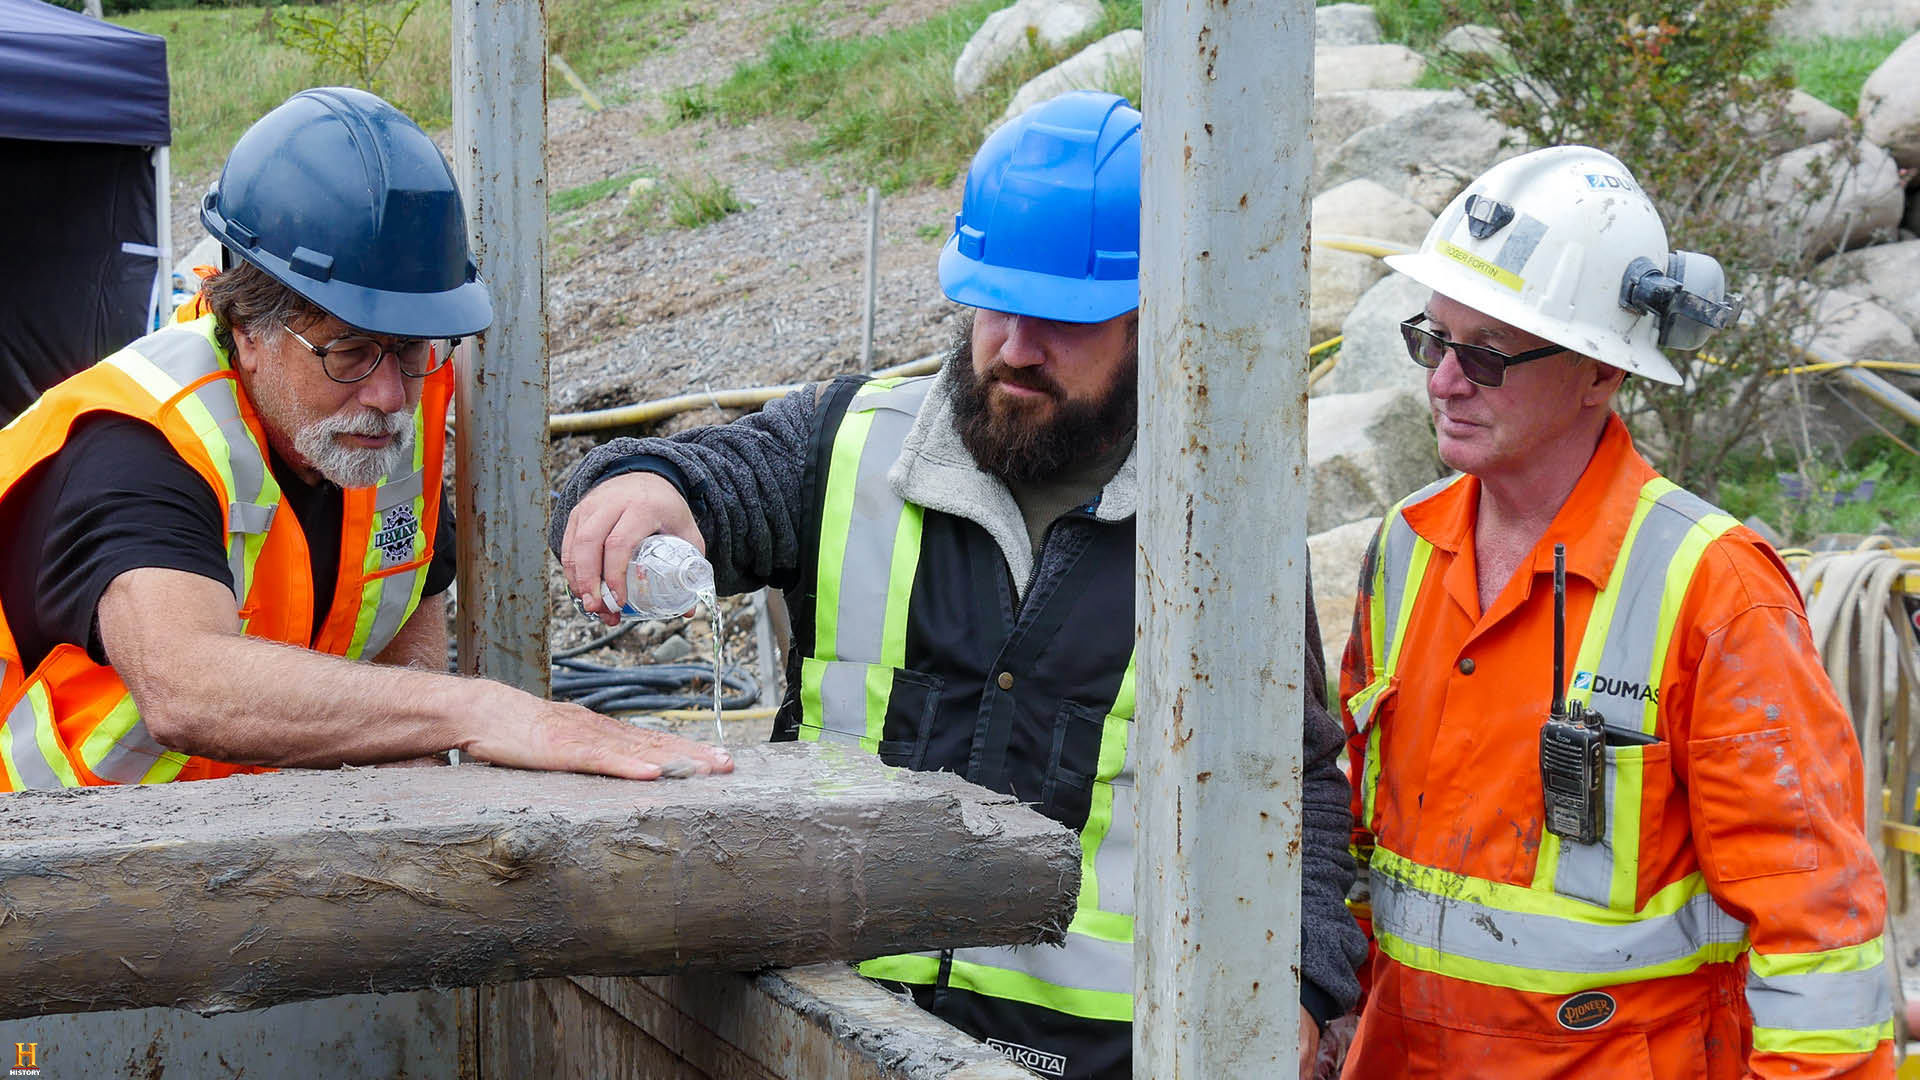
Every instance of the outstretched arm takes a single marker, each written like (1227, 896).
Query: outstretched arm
(204, 688)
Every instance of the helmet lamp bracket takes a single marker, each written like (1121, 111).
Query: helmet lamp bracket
(1486, 216)
(1689, 310)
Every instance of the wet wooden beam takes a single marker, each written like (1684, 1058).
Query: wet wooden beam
(242, 893)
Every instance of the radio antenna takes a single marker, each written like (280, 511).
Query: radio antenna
(1559, 629)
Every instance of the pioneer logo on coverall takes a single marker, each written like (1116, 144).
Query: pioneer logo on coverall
(1602, 686)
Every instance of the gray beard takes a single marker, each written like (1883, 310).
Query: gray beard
(354, 467)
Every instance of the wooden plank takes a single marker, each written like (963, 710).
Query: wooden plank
(241, 893)
(551, 1027)
(823, 1022)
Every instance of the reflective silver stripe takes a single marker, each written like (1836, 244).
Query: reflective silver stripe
(1396, 556)
(1113, 860)
(1631, 637)
(396, 596)
(1083, 963)
(1821, 1001)
(250, 518)
(400, 490)
(22, 724)
(184, 354)
(131, 757)
(866, 571)
(1456, 927)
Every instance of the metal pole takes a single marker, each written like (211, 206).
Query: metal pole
(157, 311)
(499, 138)
(1221, 582)
(873, 278)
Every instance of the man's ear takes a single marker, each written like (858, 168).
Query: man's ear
(246, 350)
(1607, 380)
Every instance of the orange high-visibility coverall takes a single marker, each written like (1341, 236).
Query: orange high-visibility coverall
(1488, 961)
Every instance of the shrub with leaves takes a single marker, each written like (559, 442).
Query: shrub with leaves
(1684, 93)
(351, 41)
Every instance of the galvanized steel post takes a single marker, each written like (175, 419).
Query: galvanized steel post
(500, 143)
(1228, 92)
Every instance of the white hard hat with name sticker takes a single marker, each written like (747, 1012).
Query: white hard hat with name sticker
(1563, 244)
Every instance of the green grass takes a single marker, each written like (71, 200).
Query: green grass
(1414, 23)
(227, 70)
(883, 106)
(1830, 498)
(1833, 69)
(576, 197)
(693, 203)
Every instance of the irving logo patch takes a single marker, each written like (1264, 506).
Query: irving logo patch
(1040, 1061)
(395, 538)
(1602, 686)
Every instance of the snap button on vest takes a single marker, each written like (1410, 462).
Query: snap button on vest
(1006, 680)
(1466, 665)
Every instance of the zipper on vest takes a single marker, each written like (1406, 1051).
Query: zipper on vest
(941, 979)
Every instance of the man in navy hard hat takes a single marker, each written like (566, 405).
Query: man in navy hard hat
(227, 545)
(957, 553)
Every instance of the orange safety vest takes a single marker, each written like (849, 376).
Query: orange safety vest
(71, 722)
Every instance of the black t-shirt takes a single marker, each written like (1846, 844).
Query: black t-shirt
(118, 497)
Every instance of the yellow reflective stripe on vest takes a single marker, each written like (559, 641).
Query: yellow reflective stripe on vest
(1838, 1001)
(120, 749)
(29, 749)
(386, 600)
(1098, 915)
(1527, 939)
(1045, 978)
(869, 554)
(165, 363)
(1399, 569)
(1618, 672)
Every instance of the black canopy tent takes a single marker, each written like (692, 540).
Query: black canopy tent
(84, 130)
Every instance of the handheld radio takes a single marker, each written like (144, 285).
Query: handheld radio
(1572, 741)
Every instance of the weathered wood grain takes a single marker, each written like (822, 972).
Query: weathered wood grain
(241, 893)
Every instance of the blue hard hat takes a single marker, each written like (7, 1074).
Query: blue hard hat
(340, 197)
(1050, 222)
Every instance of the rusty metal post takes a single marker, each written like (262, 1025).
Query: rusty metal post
(1228, 90)
(500, 145)
(872, 279)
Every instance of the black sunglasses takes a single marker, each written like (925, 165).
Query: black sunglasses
(1482, 366)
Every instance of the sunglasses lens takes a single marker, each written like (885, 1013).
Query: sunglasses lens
(1425, 349)
(1482, 367)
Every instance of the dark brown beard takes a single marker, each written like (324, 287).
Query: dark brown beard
(1019, 442)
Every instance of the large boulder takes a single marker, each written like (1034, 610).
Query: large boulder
(1364, 451)
(1887, 274)
(1366, 67)
(1890, 104)
(1808, 120)
(1336, 557)
(1816, 198)
(1428, 153)
(1373, 354)
(1844, 18)
(1358, 209)
(1008, 32)
(1099, 66)
(1345, 24)
(1474, 40)
(1338, 114)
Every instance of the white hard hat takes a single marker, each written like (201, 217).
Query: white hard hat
(1557, 242)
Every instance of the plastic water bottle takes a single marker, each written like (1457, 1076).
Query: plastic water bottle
(666, 578)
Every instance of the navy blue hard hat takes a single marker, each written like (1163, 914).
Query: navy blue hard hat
(340, 197)
(1049, 225)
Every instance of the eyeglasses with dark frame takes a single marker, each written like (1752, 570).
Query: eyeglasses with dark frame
(1482, 366)
(353, 357)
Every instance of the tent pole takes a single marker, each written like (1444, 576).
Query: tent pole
(163, 237)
